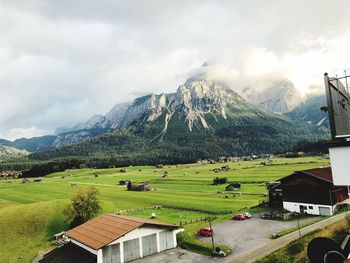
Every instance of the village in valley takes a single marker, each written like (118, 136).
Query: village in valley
(174, 131)
(168, 206)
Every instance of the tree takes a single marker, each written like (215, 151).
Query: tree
(84, 206)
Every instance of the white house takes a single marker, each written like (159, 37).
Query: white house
(117, 239)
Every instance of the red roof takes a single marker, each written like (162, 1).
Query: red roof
(324, 173)
(102, 230)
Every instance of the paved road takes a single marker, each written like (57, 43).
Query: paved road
(267, 248)
(249, 234)
(178, 255)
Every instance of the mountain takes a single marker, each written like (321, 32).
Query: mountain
(95, 125)
(7, 153)
(279, 96)
(309, 111)
(198, 105)
(202, 119)
(34, 144)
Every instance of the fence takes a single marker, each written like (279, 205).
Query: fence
(182, 223)
(132, 210)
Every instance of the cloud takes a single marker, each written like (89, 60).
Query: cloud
(63, 61)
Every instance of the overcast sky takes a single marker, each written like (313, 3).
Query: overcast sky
(62, 61)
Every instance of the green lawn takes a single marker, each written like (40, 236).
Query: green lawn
(187, 193)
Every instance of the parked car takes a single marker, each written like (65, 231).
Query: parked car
(247, 215)
(239, 217)
(266, 216)
(206, 232)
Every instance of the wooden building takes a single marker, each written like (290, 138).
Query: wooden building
(309, 191)
(112, 238)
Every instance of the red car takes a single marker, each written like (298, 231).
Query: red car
(206, 231)
(239, 217)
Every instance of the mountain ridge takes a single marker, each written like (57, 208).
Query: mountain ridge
(203, 104)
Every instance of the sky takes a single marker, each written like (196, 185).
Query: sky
(63, 61)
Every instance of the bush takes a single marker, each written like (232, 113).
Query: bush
(296, 248)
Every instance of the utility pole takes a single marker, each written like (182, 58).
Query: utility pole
(212, 236)
(330, 199)
(298, 224)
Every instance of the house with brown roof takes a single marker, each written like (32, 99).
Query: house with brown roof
(112, 238)
(308, 191)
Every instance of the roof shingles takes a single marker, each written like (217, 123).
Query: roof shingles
(106, 228)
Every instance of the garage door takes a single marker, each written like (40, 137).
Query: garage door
(131, 250)
(324, 211)
(166, 240)
(111, 254)
(149, 245)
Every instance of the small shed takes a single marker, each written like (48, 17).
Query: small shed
(233, 187)
(124, 182)
(140, 187)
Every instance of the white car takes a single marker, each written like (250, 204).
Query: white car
(247, 215)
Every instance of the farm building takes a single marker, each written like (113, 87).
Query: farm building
(233, 187)
(112, 238)
(124, 182)
(309, 191)
(139, 187)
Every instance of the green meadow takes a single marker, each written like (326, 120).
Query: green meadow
(30, 213)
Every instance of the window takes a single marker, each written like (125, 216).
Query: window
(311, 207)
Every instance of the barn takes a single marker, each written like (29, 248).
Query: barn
(309, 191)
(112, 238)
(233, 187)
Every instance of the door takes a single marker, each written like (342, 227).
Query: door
(166, 240)
(111, 254)
(131, 249)
(149, 245)
(324, 211)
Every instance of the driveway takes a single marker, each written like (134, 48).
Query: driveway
(178, 255)
(245, 235)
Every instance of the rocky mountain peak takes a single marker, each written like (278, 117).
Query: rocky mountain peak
(279, 96)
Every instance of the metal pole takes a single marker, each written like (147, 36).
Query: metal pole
(298, 225)
(330, 199)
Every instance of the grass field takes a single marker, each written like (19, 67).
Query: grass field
(187, 193)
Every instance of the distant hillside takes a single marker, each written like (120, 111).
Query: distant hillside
(7, 153)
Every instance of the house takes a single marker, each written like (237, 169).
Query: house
(309, 191)
(10, 174)
(338, 99)
(233, 187)
(112, 238)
